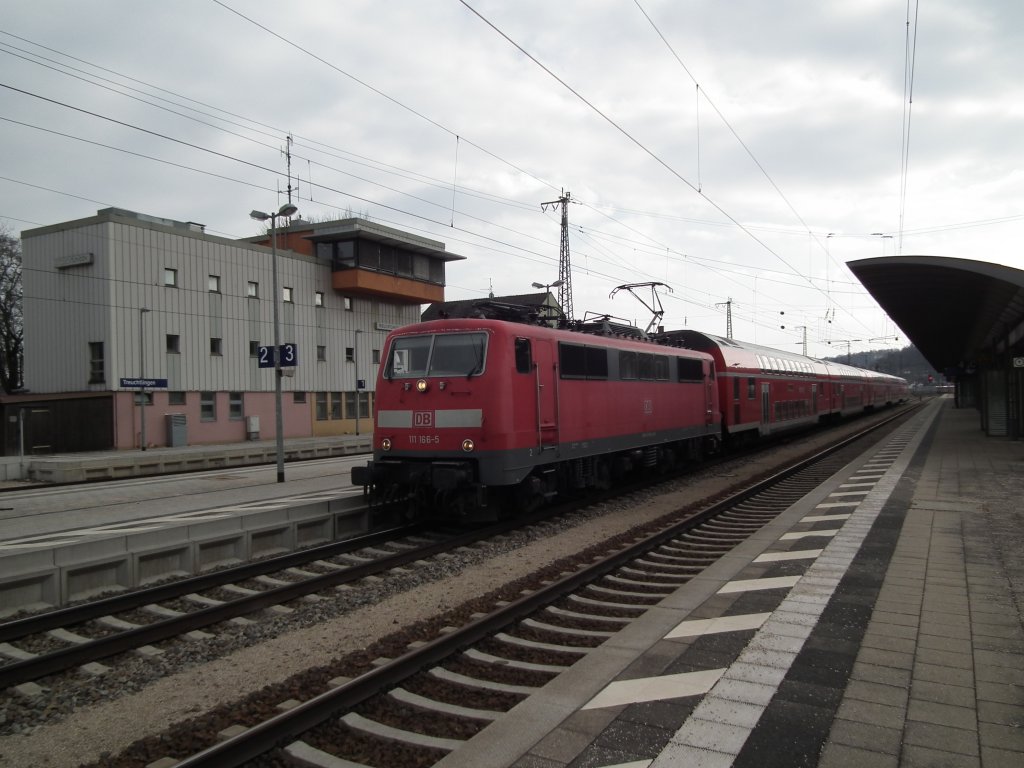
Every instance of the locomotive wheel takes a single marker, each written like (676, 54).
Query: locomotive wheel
(528, 496)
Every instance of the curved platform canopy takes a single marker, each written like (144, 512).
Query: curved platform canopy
(959, 313)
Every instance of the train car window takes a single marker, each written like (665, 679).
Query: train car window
(572, 361)
(579, 362)
(661, 367)
(597, 363)
(627, 365)
(689, 370)
(751, 388)
(646, 366)
(524, 356)
(735, 389)
(458, 354)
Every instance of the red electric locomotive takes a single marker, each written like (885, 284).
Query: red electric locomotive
(766, 391)
(472, 412)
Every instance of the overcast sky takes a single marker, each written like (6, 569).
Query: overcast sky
(739, 150)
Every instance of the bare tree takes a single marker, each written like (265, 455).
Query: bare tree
(11, 324)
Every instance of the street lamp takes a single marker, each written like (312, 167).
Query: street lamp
(142, 375)
(547, 289)
(285, 210)
(355, 357)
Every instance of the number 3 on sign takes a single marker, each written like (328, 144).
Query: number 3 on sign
(289, 355)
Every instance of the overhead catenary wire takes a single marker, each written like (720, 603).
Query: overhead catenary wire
(908, 105)
(372, 202)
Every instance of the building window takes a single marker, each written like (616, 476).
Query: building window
(318, 299)
(252, 289)
(321, 406)
(348, 303)
(350, 355)
(208, 406)
(363, 399)
(234, 405)
(286, 294)
(170, 277)
(143, 398)
(213, 283)
(254, 349)
(376, 356)
(173, 344)
(96, 363)
(216, 348)
(321, 354)
(175, 398)
(298, 398)
(335, 405)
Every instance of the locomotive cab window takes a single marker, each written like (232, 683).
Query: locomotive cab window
(445, 354)
(524, 356)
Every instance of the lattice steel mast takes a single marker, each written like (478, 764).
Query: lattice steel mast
(564, 267)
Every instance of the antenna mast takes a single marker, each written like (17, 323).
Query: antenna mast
(728, 316)
(288, 158)
(564, 268)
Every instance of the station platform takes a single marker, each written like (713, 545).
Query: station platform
(876, 623)
(112, 465)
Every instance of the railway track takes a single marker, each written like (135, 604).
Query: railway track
(424, 700)
(70, 638)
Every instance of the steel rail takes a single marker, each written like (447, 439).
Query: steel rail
(76, 614)
(104, 647)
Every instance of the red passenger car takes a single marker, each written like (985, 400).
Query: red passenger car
(469, 412)
(766, 391)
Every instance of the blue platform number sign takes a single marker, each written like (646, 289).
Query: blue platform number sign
(360, 383)
(289, 356)
(265, 357)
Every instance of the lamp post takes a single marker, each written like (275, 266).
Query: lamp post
(547, 288)
(285, 210)
(142, 375)
(355, 357)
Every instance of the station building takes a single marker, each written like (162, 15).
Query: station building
(121, 297)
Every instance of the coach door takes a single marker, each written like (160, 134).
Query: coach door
(814, 399)
(547, 394)
(766, 406)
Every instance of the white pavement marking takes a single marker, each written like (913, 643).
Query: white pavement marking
(752, 585)
(799, 554)
(655, 688)
(738, 623)
(793, 535)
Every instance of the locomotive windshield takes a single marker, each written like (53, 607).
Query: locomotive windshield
(442, 354)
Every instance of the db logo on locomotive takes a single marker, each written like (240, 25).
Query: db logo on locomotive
(423, 418)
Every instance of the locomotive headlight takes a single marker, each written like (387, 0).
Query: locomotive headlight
(422, 385)
(385, 444)
(468, 445)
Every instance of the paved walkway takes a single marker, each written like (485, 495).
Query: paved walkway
(939, 678)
